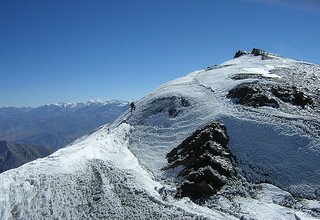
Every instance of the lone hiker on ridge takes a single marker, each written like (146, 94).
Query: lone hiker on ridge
(133, 107)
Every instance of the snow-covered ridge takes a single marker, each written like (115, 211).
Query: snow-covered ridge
(97, 177)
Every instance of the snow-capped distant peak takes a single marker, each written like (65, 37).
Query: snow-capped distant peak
(92, 101)
(63, 105)
(87, 103)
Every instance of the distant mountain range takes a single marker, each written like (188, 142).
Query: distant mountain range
(57, 125)
(15, 155)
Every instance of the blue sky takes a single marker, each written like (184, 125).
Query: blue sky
(75, 50)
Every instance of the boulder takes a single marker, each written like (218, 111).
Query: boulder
(258, 52)
(239, 53)
(262, 53)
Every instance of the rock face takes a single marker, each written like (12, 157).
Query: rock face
(252, 94)
(258, 52)
(15, 155)
(206, 160)
(257, 95)
(255, 51)
(239, 53)
(292, 95)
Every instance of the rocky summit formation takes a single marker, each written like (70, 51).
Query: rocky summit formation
(206, 160)
(255, 51)
(279, 87)
(239, 53)
(15, 155)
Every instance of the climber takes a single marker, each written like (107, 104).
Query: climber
(133, 107)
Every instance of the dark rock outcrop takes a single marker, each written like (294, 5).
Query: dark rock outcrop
(258, 52)
(240, 53)
(206, 160)
(255, 51)
(251, 94)
(292, 95)
(242, 76)
(258, 95)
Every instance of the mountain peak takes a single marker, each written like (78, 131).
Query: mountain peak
(255, 51)
(240, 140)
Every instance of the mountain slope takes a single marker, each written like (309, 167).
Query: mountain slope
(281, 144)
(57, 125)
(15, 155)
(119, 171)
(97, 177)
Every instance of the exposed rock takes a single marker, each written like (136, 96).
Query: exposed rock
(242, 76)
(251, 94)
(255, 51)
(239, 53)
(258, 95)
(297, 217)
(206, 160)
(244, 217)
(292, 95)
(258, 52)
(172, 105)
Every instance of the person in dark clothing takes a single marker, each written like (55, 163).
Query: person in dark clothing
(133, 107)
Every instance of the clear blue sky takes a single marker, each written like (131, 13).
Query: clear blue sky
(75, 50)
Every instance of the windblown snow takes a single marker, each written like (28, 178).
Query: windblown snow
(116, 172)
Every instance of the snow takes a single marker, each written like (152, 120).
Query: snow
(261, 71)
(116, 172)
(86, 103)
(96, 177)
(70, 190)
(269, 210)
(206, 90)
(281, 158)
(269, 144)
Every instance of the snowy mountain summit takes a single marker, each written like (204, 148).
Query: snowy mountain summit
(239, 140)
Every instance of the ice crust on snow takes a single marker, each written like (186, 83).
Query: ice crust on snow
(96, 178)
(115, 173)
(206, 91)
